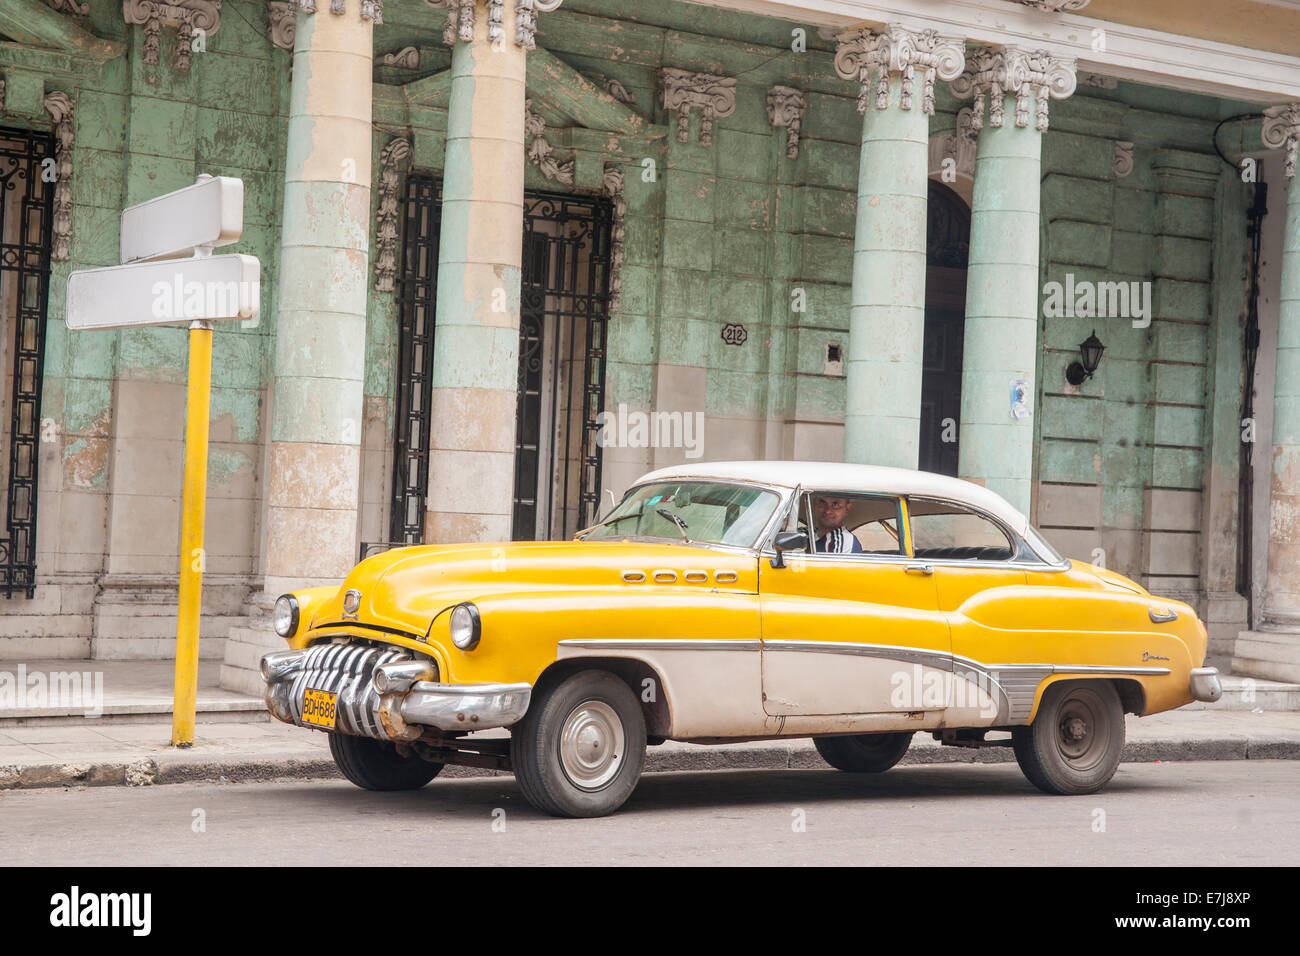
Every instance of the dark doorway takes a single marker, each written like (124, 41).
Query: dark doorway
(416, 299)
(563, 320)
(564, 313)
(947, 252)
(26, 214)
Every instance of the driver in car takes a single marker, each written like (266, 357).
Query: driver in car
(829, 513)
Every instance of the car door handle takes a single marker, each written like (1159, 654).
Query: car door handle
(919, 569)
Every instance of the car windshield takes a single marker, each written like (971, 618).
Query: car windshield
(700, 510)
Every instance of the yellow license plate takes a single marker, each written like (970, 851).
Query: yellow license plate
(319, 708)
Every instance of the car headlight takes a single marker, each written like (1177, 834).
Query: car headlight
(466, 628)
(285, 616)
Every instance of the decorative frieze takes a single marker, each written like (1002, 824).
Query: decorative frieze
(785, 106)
(958, 146)
(460, 20)
(539, 150)
(617, 233)
(1123, 158)
(391, 159)
(283, 24)
(185, 15)
(407, 58)
(896, 49)
(1282, 131)
(60, 107)
(1001, 71)
(683, 91)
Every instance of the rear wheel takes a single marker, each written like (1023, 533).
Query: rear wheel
(376, 764)
(863, 753)
(1074, 744)
(579, 750)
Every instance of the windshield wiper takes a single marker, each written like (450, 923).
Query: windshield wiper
(675, 520)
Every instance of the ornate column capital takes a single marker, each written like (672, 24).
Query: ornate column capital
(283, 23)
(1001, 70)
(185, 15)
(898, 50)
(682, 90)
(785, 106)
(370, 9)
(1282, 131)
(460, 20)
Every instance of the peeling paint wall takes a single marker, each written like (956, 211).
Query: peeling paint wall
(734, 233)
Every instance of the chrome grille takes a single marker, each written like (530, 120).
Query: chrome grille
(345, 670)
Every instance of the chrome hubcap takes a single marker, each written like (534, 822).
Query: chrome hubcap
(592, 744)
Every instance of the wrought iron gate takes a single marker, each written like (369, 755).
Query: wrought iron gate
(416, 293)
(564, 312)
(563, 326)
(26, 213)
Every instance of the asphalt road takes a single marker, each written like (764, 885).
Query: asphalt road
(1240, 812)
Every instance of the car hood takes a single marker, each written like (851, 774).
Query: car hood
(404, 588)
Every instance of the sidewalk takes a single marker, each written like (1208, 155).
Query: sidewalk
(116, 753)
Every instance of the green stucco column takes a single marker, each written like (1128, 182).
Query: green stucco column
(897, 70)
(311, 485)
(1282, 598)
(476, 343)
(1001, 336)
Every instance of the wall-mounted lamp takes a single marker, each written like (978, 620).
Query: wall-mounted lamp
(1090, 350)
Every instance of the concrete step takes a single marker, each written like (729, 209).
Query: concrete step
(63, 692)
(240, 669)
(1254, 694)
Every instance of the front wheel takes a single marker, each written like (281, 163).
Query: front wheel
(863, 753)
(376, 764)
(579, 750)
(1074, 744)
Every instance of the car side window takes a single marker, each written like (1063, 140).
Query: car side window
(948, 532)
(847, 523)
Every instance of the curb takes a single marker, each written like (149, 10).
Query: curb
(175, 768)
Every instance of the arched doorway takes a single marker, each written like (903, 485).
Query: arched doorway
(947, 251)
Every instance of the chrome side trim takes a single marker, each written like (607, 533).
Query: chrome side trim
(1014, 686)
(663, 644)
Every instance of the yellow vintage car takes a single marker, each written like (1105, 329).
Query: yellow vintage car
(720, 602)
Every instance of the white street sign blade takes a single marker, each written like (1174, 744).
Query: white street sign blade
(209, 213)
(214, 288)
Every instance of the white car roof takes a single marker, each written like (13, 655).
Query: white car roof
(842, 476)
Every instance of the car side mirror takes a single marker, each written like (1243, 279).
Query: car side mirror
(788, 541)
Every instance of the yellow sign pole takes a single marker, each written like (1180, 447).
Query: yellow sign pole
(197, 402)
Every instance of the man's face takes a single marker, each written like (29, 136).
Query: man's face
(829, 513)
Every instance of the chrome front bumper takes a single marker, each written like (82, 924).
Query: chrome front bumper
(379, 693)
(1205, 684)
